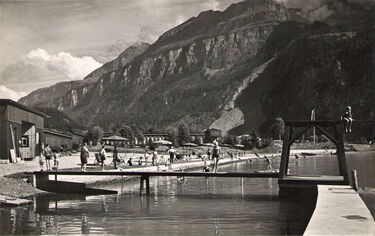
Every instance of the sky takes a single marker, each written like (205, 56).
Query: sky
(43, 42)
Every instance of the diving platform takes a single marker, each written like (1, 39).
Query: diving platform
(334, 131)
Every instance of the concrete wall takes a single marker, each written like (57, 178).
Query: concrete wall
(340, 211)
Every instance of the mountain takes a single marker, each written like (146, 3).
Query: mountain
(235, 70)
(57, 120)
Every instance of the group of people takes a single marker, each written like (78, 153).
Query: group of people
(46, 158)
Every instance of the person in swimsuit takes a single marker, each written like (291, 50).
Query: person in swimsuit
(347, 117)
(215, 156)
(47, 153)
(84, 156)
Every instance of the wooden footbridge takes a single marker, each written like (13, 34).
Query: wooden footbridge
(333, 130)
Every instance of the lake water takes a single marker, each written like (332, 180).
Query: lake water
(196, 206)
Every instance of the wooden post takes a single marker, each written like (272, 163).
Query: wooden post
(34, 180)
(354, 179)
(141, 184)
(285, 153)
(147, 185)
(343, 168)
(55, 182)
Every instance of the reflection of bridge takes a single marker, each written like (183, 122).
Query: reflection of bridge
(333, 130)
(43, 182)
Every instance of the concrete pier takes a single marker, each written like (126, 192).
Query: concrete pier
(340, 211)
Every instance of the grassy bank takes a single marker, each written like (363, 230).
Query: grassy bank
(18, 187)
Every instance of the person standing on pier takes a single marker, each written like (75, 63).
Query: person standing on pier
(47, 153)
(347, 117)
(154, 158)
(103, 156)
(116, 158)
(216, 155)
(84, 156)
(172, 154)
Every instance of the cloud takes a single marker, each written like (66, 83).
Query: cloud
(38, 68)
(147, 34)
(213, 5)
(10, 94)
(73, 68)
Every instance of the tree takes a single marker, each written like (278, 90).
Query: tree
(138, 134)
(254, 139)
(246, 142)
(231, 140)
(197, 141)
(173, 137)
(127, 132)
(208, 137)
(113, 128)
(278, 127)
(94, 135)
(183, 134)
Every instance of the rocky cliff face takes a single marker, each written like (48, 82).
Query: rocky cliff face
(238, 69)
(185, 76)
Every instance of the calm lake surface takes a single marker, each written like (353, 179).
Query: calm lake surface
(196, 206)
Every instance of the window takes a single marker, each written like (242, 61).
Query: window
(25, 141)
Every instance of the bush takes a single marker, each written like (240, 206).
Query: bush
(265, 142)
(75, 146)
(152, 146)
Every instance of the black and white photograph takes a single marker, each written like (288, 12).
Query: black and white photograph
(187, 117)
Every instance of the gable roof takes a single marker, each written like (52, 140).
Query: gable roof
(5, 102)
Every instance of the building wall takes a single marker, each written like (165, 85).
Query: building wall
(76, 138)
(19, 115)
(19, 119)
(56, 141)
(4, 135)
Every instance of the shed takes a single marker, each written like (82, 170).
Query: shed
(76, 135)
(21, 131)
(114, 140)
(56, 140)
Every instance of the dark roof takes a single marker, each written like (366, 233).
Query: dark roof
(75, 132)
(5, 102)
(57, 133)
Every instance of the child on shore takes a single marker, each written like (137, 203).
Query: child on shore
(41, 163)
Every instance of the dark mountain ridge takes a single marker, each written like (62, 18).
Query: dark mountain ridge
(236, 70)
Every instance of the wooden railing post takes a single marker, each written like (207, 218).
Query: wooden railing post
(343, 168)
(285, 153)
(141, 184)
(148, 185)
(354, 179)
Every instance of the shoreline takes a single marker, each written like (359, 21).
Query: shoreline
(17, 184)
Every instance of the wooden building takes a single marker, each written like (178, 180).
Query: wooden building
(21, 131)
(115, 140)
(76, 135)
(57, 140)
(150, 138)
